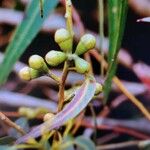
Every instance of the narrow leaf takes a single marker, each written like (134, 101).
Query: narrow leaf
(117, 17)
(146, 19)
(85, 143)
(81, 99)
(24, 35)
(7, 140)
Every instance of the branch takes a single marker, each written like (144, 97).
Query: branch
(7, 121)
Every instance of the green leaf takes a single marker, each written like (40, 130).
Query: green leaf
(7, 148)
(81, 99)
(117, 17)
(85, 143)
(24, 34)
(7, 140)
(67, 143)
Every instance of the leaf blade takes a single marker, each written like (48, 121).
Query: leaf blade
(81, 99)
(24, 34)
(85, 143)
(117, 14)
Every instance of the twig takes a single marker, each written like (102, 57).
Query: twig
(101, 32)
(131, 97)
(106, 138)
(116, 129)
(54, 77)
(118, 145)
(68, 16)
(7, 121)
(61, 96)
(95, 122)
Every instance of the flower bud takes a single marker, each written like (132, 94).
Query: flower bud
(55, 58)
(48, 116)
(27, 112)
(86, 43)
(99, 88)
(37, 62)
(81, 65)
(64, 40)
(28, 73)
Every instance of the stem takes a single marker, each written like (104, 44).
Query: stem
(125, 91)
(41, 8)
(118, 145)
(11, 124)
(61, 96)
(68, 16)
(53, 76)
(101, 32)
(95, 122)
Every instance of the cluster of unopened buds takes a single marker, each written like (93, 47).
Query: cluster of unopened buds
(38, 66)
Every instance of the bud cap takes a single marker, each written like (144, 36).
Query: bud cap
(55, 58)
(63, 38)
(86, 43)
(36, 62)
(81, 65)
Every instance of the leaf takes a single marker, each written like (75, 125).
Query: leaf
(7, 148)
(24, 35)
(67, 143)
(81, 99)
(85, 143)
(7, 140)
(117, 17)
(146, 19)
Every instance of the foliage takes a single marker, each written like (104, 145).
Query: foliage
(77, 100)
(117, 16)
(24, 35)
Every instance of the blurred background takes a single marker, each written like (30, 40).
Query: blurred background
(133, 68)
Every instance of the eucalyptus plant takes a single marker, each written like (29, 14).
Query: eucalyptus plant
(72, 60)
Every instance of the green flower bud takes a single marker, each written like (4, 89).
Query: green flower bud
(99, 88)
(48, 116)
(55, 58)
(64, 40)
(37, 62)
(81, 65)
(28, 73)
(86, 43)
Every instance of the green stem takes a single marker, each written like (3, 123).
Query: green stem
(41, 8)
(101, 32)
(53, 76)
(68, 16)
